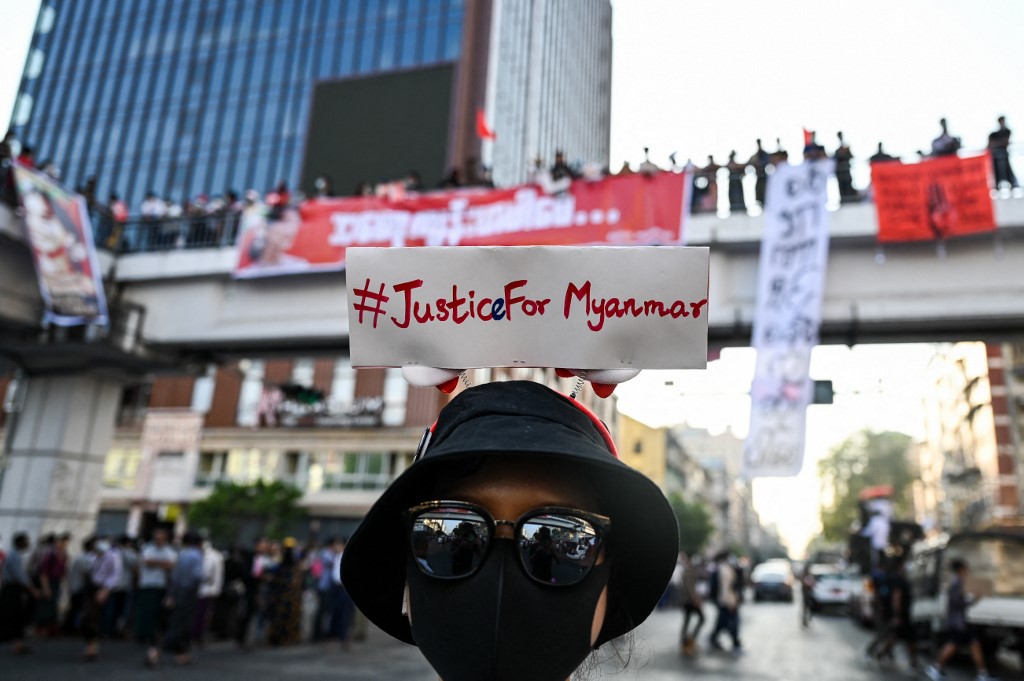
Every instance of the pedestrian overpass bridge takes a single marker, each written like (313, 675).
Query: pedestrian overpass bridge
(170, 308)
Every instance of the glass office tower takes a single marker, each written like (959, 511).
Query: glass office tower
(184, 97)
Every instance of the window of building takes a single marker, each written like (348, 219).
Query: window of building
(246, 466)
(211, 468)
(350, 470)
(343, 384)
(121, 468)
(396, 392)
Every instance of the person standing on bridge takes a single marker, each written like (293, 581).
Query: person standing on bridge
(999, 148)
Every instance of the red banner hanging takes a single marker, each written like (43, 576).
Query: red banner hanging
(934, 199)
(628, 210)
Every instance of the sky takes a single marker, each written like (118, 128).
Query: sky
(705, 78)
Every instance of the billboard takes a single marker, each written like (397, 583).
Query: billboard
(59, 233)
(378, 128)
(624, 210)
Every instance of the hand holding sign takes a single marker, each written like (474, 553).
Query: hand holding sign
(445, 380)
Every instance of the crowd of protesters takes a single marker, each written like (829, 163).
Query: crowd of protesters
(170, 597)
(163, 223)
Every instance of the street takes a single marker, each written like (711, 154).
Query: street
(776, 650)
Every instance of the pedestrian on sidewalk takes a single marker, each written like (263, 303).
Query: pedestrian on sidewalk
(342, 609)
(182, 596)
(512, 458)
(155, 565)
(961, 633)
(104, 575)
(727, 598)
(692, 604)
(17, 596)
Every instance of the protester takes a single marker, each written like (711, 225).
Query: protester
(560, 169)
(182, 595)
(104, 574)
(342, 608)
(561, 473)
(945, 144)
(17, 596)
(705, 184)
(759, 161)
(117, 613)
(843, 157)
(321, 570)
(896, 613)
(881, 157)
(725, 593)
(737, 171)
(960, 631)
(692, 605)
(999, 148)
(27, 157)
(647, 165)
(52, 572)
(209, 590)
(78, 585)
(155, 564)
(284, 599)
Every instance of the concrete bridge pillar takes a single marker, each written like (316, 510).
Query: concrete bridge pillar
(55, 449)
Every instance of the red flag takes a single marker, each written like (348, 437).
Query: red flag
(808, 137)
(934, 199)
(482, 131)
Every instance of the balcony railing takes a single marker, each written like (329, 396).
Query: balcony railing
(146, 235)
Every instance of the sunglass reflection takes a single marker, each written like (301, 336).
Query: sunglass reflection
(555, 548)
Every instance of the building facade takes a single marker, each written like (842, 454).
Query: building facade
(339, 435)
(201, 96)
(969, 462)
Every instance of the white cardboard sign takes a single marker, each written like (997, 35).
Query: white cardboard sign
(534, 306)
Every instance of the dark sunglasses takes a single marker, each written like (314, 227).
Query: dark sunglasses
(556, 546)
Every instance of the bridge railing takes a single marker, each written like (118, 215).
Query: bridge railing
(145, 235)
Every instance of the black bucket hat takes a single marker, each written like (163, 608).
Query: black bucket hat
(514, 419)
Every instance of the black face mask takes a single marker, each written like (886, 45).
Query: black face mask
(500, 625)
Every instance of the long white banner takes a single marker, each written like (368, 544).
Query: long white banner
(790, 288)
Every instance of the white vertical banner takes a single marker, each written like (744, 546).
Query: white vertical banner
(790, 288)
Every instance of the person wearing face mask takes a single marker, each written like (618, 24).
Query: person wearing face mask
(516, 544)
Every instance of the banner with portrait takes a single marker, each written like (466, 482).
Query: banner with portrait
(937, 198)
(59, 234)
(790, 289)
(625, 210)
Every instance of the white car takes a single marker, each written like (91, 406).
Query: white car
(831, 588)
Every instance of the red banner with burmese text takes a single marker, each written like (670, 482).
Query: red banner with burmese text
(627, 210)
(935, 199)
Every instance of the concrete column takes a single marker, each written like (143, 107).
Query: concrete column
(53, 470)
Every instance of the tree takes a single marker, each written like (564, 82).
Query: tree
(695, 525)
(864, 459)
(272, 506)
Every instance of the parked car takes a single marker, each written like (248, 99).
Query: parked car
(831, 588)
(772, 579)
(996, 581)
